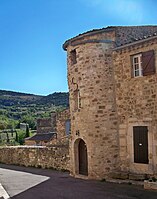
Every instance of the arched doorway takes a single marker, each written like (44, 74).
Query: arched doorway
(82, 158)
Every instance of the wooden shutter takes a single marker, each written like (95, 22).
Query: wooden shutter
(148, 63)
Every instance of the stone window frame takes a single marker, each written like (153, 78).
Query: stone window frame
(139, 167)
(77, 100)
(77, 103)
(73, 57)
(143, 64)
(137, 65)
(75, 157)
(68, 127)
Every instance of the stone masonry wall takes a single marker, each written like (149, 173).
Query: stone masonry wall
(45, 125)
(136, 100)
(105, 102)
(43, 157)
(96, 121)
(61, 119)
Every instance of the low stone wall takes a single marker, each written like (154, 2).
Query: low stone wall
(36, 156)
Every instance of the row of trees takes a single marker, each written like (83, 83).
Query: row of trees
(13, 137)
(7, 123)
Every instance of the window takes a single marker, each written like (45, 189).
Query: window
(67, 127)
(73, 57)
(77, 100)
(137, 65)
(143, 64)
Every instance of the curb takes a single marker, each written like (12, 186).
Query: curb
(140, 183)
(3, 193)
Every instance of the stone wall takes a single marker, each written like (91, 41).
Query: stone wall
(57, 124)
(106, 102)
(43, 157)
(61, 119)
(95, 121)
(45, 125)
(136, 99)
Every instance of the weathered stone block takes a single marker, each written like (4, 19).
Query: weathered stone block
(150, 185)
(137, 177)
(119, 175)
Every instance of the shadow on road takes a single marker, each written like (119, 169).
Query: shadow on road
(61, 186)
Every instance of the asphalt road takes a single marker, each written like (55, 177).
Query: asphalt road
(33, 183)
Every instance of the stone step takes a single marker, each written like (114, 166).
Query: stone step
(129, 176)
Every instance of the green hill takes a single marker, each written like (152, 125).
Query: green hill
(10, 98)
(16, 107)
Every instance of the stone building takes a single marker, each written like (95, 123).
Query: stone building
(113, 102)
(52, 131)
(23, 126)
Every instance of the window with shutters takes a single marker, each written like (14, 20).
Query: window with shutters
(143, 64)
(137, 65)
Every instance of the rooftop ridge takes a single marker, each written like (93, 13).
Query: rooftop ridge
(104, 29)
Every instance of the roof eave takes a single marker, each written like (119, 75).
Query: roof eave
(134, 43)
(89, 33)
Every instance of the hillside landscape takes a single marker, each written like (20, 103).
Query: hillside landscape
(18, 107)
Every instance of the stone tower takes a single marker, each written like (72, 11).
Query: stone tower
(94, 134)
(94, 144)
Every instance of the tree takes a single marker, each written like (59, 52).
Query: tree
(21, 136)
(8, 140)
(27, 131)
(16, 138)
(29, 120)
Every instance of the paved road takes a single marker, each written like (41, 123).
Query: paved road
(33, 183)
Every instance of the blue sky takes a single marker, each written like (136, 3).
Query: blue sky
(32, 33)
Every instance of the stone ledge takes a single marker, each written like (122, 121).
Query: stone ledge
(150, 185)
(138, 177)
(128, 176)
(130, 182)
(119, 175)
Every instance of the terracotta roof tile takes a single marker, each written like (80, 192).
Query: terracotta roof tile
(42, 136)
(132, 34)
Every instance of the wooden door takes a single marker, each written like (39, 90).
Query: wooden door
(83, 159)
(140, 136)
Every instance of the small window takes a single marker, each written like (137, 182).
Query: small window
(137, 65)
(73, 57)
(143, 64)
(77, 100)
(67, 127)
